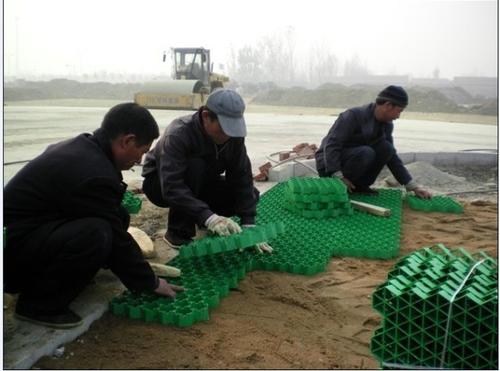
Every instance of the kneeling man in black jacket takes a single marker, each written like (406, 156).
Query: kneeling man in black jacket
(360, 144)
(200, 169)
(65, 220)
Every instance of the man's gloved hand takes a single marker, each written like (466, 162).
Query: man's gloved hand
(222, 226)
(261, 247)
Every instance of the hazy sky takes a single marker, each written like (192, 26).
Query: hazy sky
(396, 37)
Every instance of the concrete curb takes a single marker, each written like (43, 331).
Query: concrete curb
(30, 342)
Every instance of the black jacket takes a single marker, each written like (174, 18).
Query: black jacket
(74, 179)
(357, 127)
(184, 139)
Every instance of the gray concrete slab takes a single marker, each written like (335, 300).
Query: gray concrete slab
(29, 342)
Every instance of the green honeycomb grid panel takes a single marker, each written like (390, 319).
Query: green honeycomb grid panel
(247, 238)
(415, 305)
(442, 204)
(305, 247)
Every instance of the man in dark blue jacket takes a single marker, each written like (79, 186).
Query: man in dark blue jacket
(360, 144)
(200, 169)
(65, 220)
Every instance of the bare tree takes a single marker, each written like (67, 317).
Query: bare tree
(247, 65)
(354, 67)
(271, 60)
(323, 65)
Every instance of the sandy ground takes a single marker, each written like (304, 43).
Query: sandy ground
(277, 320)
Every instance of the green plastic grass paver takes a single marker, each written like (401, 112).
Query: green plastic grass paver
(247, 238)
(305, 247)
(131, 202)
(442, 204)
(426, 316)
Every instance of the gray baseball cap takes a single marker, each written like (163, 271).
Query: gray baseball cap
(229, 107)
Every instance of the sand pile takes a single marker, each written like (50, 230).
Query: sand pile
(476, 181)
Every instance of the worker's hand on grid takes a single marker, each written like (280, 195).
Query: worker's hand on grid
(350, 186)
(422, 193)
(222, 226)
(166, 289)
(261, 247)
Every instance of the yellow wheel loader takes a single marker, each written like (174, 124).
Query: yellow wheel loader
(193, 81)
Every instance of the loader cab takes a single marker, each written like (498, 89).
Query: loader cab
(191, 64)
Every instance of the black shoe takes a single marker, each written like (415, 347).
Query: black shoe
(174, 241)
(365, 191)
(64, 320)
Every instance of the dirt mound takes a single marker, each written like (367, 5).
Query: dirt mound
(335, 95)
(428, 175)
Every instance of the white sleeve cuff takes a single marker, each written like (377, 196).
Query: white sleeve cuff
(210, 219)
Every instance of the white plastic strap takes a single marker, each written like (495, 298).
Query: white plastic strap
(450, 308)
(400, 366)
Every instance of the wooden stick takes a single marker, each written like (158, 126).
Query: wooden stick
(165, 270)
(372, 209)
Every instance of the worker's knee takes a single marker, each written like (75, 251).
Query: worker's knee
(385, 150)
(364, 156)
(99, 237)
(87, 240)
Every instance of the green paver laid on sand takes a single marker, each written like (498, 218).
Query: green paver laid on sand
(442, 204)
(305, 247)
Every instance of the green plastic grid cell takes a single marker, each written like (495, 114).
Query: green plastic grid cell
(131, 202)
(420, 328)
(442, 204)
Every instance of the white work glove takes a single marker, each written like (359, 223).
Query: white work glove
(221, 225)
(262, 246)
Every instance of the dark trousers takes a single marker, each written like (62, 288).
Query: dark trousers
(205, 184)
(361, 165)
(50, 269)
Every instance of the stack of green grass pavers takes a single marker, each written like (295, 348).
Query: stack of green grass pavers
(440, 310)
(317, 198)
(302, 245)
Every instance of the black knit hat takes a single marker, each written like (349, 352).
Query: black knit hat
(394, 94)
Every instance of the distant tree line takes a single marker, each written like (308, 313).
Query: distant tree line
(274, 58)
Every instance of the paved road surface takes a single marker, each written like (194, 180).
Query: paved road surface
(28, 131)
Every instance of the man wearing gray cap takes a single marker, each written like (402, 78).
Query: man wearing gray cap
(360, 144)
(200, 169)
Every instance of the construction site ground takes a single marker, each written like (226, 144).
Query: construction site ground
(273, 319)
